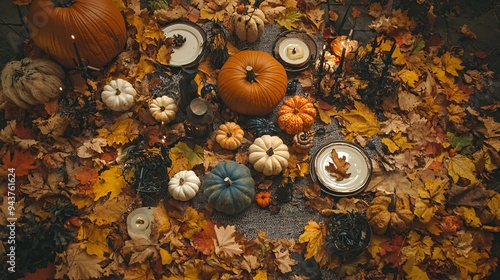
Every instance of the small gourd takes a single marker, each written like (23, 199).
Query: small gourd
(32, 81)
(118, 95)
(263, 198)
(248, 23)
(229, 135)
(184, 185)
(296, 115)
(229, 187)
(389, 211)
(163, 109)
(259, 126)
(269, 155)
(303, 141)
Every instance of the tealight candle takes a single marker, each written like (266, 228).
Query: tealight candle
(139, 222)
(295, 52)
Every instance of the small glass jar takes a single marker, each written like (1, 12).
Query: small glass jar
(199, 121)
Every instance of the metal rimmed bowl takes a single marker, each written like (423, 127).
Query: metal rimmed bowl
(192, 50)
(360, 169)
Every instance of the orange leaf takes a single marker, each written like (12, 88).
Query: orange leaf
(21, 162)
(87, 175)
(356, 12)
(41, 273)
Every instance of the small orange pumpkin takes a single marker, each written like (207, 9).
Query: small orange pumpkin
(229, 135)
(296, 115)
(252, 83)
(263, 198)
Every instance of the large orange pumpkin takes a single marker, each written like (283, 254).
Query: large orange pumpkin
(98, 27)
(252, 83)
(296, 115)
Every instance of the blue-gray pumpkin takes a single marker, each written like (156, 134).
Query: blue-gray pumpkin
(229, 187)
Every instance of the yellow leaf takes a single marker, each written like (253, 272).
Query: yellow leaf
(461, 166)
(81, 201)
(417, 247)
(166, 257)
(142, 68)
(434, 190)
(414, 272)
(438, 254)
(163, 55)
(467, 264)
(452, 64)
(399, 58)
(110, 211)
(360, 120)
(390, 144)
(207, 13)
(194, 221)
(95, 239)
(408, 76)
(325, 115)
(123, 132)
(314, 238)
(161, 218)
(442, 76)
(424, 209)
(194, 157)
(402, 141)
(119, 4)
(110, 182)
(469, 215)
(260, 275)
(456, 113)
(494, 205)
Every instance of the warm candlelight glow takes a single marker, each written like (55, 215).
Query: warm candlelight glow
(79, 63)
(73, 37)
(343, 42)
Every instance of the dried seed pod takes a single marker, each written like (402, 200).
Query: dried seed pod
(303, 141)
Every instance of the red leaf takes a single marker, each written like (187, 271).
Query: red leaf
(391, 252)
(203, 241)
(23, 132)
(87, 175)
(46, 273)
(22, 162)
(356, 12)
(481, 54)
(325, 106)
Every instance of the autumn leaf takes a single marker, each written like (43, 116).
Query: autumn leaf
(95, 240)
(166, 257)
(431, 196)
(45, 273)
(203, 240)
(86, 176)
(469, 215)
(326, 111)
(339, 167)
(390, 251)
(111, 210)
(123, 132)
(110, 182)
(20, 163)
(193, 222)
(467, 264)
(417, 247)
(313, 236)
(360, 121)
(408, 76)
(185, 158)
(452, 64)
(459, 143)
(76, 263)
(283, 260)
(225, 244)
(461, 166)
(288, 19)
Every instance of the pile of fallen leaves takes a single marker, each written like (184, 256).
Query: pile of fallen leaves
(438, 139)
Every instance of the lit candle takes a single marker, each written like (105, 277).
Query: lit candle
(322, 59)
(139, 223)
(80, 61)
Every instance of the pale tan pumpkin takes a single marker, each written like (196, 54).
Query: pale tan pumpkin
(119, 95)
(163, 109)
(248, 23)
(229, 135)
(269, 155)
(392, 211)
(296, 115)
(32, 81)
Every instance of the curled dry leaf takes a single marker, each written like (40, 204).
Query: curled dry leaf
(339, 167)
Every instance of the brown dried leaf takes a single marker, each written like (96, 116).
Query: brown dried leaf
(339, 167)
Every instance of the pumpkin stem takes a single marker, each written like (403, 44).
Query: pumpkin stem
(392, 205)
(251, 76)
(62, 3)
(228, 181)
(296, 111)
(229, 134)
(181, 181)
(270, 152)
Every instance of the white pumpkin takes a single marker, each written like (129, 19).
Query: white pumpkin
(184, 185)
(269, 155)
(249, 24)
(163, 109)
(119, 95)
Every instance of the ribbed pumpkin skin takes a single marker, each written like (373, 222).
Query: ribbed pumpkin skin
(296, 115)
(258, 98)
(229, 199)
(98, 26)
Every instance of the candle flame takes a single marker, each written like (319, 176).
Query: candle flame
(60, 88)
(73, 37)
